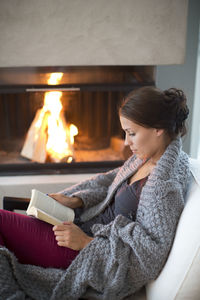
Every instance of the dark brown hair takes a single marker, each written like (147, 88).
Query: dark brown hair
(152, 108)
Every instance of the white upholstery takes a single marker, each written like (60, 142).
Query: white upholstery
(180, 276)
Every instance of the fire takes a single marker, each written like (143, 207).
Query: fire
(55, 78)
(50, 123)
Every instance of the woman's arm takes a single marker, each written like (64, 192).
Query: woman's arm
(72, 202)
(93, 190)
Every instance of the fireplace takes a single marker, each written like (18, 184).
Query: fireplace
(90, 98)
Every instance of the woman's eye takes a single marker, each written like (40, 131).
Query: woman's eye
(131, 134)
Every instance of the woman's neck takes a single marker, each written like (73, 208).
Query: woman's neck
(157, 155)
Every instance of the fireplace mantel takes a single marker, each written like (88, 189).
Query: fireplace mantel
(90, 33)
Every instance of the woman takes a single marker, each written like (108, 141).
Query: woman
(125, 219)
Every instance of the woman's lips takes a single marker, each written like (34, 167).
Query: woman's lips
(133, 150)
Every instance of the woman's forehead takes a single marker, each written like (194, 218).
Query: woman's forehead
(127, 124)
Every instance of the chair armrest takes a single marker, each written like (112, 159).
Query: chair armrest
(12, 203)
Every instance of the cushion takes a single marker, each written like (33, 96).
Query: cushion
(179, 278)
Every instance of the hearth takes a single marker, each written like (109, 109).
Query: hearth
(90, 97)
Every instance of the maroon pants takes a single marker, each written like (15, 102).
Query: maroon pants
(33, 241)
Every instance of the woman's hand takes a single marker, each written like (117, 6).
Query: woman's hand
(70, 235)
(72, 202)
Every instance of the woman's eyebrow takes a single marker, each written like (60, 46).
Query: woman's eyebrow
(128, 129)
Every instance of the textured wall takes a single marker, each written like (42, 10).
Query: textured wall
(185, 77)
(92, 32)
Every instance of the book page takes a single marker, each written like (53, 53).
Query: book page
(50, 206)
(39, 214)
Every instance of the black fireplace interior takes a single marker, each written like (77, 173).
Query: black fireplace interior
(90, 99)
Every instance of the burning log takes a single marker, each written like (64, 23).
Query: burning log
(35, 143)
(49, 136)
(41, 144)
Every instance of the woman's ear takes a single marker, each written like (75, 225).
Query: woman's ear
(159, 132)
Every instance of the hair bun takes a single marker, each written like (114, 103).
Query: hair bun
(175, 95)
(176, 98)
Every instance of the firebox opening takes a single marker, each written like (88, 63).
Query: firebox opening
(89, 97)
(99, 137)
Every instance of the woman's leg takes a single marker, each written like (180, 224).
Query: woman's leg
(33, 241)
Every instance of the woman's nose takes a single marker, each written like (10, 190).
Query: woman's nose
(126, 141)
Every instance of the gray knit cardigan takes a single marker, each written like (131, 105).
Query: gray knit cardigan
(124, 255)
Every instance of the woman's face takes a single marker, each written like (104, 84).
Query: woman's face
(143, 142)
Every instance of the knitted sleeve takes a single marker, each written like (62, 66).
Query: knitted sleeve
(93, 190)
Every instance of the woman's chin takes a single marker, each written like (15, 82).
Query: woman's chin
(140, 156)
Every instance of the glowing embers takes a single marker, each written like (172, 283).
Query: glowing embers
(50, 137)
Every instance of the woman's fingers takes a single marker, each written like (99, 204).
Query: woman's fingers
(62, 226)
(71, 236)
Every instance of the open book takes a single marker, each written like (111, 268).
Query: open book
(49, 210)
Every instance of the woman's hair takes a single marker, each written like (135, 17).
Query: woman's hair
(152, 108)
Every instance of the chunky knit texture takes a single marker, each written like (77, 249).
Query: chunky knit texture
(124, 255)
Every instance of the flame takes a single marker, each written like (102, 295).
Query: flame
(60, 135)
(49, 134)
(55, 78)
